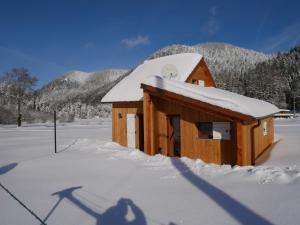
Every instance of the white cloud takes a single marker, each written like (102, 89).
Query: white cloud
(262, 25)
(290, 35)
(212, 25)
(133, 42)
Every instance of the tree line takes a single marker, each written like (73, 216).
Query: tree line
(276, 80)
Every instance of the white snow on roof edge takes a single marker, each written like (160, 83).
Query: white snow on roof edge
(214, 96)
(128, 89)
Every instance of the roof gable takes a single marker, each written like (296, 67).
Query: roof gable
(177, 67)
(201, 72)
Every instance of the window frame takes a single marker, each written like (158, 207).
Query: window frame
(212, 133)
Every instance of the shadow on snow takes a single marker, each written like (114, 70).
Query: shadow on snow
(114, 215)
(117, 213)
(237, 210)
(7, 168)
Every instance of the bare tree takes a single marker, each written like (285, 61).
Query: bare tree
(17, 85)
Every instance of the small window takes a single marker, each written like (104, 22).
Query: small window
(265, 128)
(205, 130)
(214, 130)
(222, 130)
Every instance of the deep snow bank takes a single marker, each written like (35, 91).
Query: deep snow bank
(261, 174)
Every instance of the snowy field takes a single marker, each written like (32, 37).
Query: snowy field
(94, 181)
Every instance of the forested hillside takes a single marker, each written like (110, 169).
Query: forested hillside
(226, 62)
(271, 77)
(276, 80)
(78, 94)
(75, 94)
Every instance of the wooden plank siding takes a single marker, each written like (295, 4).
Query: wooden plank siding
(214, 151)
(242, 149)
(243, 144)
(149, 125)
(246, 144)
(262, 142)
(251, 142)
(201, 72)
(119, 123)
(247, 141)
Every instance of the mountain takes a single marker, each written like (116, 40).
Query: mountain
(77, 93)
(226, 62)
(271, 77)
(77, 84)
(276, 80)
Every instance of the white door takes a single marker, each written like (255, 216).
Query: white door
(130, 130)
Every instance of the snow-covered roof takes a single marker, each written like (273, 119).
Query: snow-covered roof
(177, 67)
(217, 97)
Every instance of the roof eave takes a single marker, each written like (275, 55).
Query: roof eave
(193, 103)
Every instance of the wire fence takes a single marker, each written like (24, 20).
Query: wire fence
(22, 204)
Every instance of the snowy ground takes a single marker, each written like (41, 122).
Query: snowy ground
(94, 181)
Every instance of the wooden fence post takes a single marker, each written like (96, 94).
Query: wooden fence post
(55, 149)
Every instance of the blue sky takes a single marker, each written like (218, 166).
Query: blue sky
(52, 37)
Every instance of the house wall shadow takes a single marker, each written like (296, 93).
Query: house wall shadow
(7, 168)
(113, 215)
(237, 210)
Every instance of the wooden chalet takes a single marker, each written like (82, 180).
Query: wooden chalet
(170, 105)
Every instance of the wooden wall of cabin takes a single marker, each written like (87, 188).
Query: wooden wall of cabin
(208, 150)
(261, 141)
(119, 121)
(253, 141)
(243, 143)
(201, 72)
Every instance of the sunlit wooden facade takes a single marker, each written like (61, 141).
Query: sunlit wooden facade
(174, 125)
